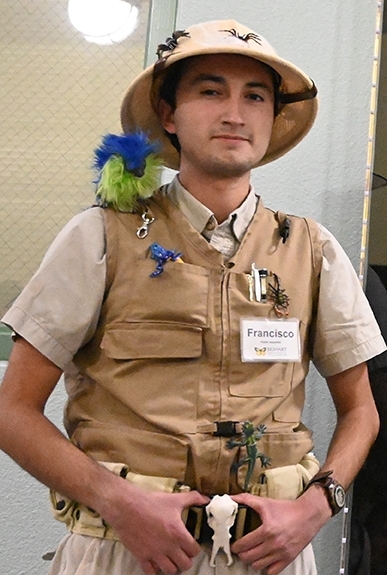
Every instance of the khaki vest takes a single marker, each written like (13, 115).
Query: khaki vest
(164, 364)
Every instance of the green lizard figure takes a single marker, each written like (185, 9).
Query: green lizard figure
(249, 437)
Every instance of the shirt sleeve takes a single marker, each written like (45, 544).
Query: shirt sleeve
(346, 330)
(58, 310)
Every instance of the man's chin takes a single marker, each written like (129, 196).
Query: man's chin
(230, 169)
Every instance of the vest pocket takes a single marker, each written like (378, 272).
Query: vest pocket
(289, 412)
(179, 294)
(144, 452)
(261, 379)
(281, 448)
(154, 369)
(252, 379)
(152, 340)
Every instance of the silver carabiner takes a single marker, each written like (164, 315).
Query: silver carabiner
(147, 219)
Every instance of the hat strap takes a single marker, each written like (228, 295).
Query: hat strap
(298, 96)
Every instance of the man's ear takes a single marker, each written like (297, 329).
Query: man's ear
(166, 115)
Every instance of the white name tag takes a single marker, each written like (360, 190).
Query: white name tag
(270, 340)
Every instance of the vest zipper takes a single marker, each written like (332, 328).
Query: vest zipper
(224, 322)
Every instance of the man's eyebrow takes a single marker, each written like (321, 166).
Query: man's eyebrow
(208, 78)
(221, 80)
(259, 85)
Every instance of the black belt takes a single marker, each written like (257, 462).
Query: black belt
(246, 520)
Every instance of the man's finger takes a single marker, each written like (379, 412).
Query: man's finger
(167, 566)
(252, 501)
(249, 541)
(272, 569)
(182, 560)
(148, 567)
(190, 547)
(193, 498)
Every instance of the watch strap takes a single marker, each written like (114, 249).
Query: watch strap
(320, 478)
(334, 492)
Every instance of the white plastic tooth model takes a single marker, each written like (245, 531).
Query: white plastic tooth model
(221, 513)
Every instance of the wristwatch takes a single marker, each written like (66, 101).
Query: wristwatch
(333, 490)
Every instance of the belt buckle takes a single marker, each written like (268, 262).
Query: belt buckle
(196, 522)
(226, 428)
(247, 520)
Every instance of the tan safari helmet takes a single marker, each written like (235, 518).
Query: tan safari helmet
(297, 97)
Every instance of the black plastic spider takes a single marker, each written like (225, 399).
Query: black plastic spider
(171, 42)
(245, 37)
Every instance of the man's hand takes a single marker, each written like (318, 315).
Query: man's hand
(287, 528)
(152, 529)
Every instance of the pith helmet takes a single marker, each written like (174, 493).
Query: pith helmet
(297, 95)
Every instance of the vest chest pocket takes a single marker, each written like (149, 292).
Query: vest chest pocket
(253, 379)
(152, 340)
(179, 294)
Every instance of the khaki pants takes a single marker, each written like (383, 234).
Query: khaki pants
(84, 555)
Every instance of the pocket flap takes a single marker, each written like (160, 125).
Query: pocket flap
(151, 341)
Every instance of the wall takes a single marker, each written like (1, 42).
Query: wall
(323, 178)
(59, 94)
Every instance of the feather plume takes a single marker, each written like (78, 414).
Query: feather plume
(128, 170)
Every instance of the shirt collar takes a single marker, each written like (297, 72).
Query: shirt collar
(201, 217)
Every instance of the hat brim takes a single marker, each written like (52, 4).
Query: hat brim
(290, 126)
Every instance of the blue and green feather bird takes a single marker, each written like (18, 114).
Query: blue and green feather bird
(128, 170)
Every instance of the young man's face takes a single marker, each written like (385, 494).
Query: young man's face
(224, 114)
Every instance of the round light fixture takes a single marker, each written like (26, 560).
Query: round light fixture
(103, 21)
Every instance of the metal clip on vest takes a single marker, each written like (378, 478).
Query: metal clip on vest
(147, 220)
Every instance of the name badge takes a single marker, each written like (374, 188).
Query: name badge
(270, 340)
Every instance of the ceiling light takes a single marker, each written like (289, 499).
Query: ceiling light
(103, 21)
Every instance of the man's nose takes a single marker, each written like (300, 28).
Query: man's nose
(232, 113)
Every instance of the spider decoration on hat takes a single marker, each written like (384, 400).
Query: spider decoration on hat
(245, 37)
(171, 42)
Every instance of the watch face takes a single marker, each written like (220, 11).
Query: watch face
(339, 496)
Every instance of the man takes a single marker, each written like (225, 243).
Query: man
(183, 376)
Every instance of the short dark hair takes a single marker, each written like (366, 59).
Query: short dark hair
(168, 90)
(171, 81)
(173, 76)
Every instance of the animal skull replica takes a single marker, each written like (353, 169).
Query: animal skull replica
(221, 513)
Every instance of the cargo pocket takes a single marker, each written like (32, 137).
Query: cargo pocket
(281, 448)
(156, 371)
(144, 452)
